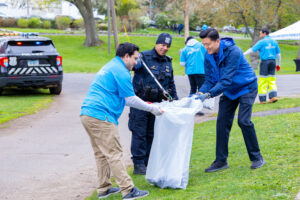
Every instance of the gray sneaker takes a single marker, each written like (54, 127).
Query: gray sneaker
(216, 166)
(109, 192)
(136, 194)
(258, 163)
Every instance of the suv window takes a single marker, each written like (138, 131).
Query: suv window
(30, 47)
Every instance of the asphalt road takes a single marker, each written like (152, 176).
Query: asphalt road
(48, 155)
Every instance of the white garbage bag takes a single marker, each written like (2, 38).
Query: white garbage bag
(168, 165)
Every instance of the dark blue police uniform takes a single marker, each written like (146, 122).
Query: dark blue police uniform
(141, 123)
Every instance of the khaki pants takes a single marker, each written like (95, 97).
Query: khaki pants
(108, 152)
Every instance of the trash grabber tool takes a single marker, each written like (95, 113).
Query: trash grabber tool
(165, 93)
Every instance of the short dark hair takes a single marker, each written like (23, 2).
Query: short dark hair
(188, 38)
(210, 33)
(126, 48)
(265, 30)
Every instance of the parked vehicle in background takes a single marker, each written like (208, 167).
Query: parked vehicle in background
(229, 29)
(244, 30)
(27, 60)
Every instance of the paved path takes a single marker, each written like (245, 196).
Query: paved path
(48, 155)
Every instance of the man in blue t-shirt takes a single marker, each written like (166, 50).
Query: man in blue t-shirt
(104, 103)
(268, 52)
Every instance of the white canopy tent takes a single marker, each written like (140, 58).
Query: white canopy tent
(291, 32)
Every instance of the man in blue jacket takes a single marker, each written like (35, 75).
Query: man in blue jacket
(227, 72)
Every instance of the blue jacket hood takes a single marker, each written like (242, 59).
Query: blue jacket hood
(226, 42)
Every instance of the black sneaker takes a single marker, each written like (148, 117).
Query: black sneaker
(136, 194)
(216, 166)
(258, 163)
(140, 169)
(200, 113)
(109, 192)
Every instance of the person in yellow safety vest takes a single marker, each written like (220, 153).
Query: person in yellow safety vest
(268, 52)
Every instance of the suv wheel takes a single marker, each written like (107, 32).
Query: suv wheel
(56, 90)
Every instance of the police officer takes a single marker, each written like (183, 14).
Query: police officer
(268, 52)
(141, 123)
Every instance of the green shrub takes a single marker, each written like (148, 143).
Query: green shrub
(161, 20)
(46, 24)
(62, 22)
(34, 22)
(10, 22)
(145, 21)
(102, 27)
(78, 23)
(22, 23)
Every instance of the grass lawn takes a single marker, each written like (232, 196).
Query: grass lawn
(18, 103)
(158, 31)
(282, 103)
(77, 58)
(37, 30)
(278, 137)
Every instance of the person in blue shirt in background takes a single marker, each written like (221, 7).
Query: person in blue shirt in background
(192, 58)
(227, 72)
(268, 52)
(104, 103)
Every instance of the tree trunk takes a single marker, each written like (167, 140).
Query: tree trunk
(114, 25)
(85, 9)
(254, 57)
(186, 20)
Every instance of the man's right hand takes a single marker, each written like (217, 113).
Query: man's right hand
(156, 110)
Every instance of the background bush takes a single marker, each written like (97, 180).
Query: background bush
(34, 22)
(62, 22)
(46, 24)
(10, 22)
(161, 20)
(78, 23)
(145, 21)
(22, 23)
(102, 27)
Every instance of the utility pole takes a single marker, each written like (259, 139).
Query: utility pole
(108, 27)
(113, 20)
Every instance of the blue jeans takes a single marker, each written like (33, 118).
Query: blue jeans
(226, 113)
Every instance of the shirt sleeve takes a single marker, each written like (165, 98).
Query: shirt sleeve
(209, 81)
(182, 58)
(277, 48)
(125, 88)
(257, 46)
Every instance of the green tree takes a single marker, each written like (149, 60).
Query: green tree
(124, 6)
(85, 8)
